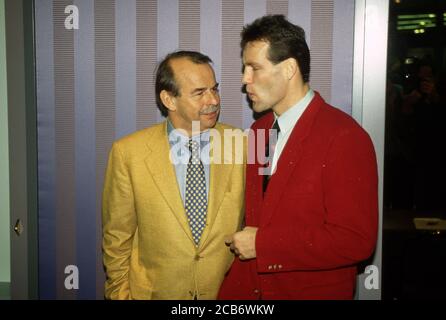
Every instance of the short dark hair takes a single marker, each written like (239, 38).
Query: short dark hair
(286, 40)
(165, 79)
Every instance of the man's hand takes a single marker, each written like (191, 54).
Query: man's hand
(243, 243)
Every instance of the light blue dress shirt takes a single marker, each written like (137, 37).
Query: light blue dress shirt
(180, 154)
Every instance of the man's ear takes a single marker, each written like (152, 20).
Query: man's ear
(291, 68)
(168, 100)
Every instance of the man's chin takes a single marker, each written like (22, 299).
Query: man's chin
(205, 125)
(209, 120)
(259, 108)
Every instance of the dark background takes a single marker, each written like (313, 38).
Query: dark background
(414, 260)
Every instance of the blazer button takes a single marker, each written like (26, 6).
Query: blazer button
(197, 257)
(270, 267)
(275, 266)
(280, 266)
(256, 291)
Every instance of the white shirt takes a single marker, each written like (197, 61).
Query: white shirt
(287, 121)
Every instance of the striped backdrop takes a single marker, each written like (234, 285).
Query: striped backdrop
(96, 84)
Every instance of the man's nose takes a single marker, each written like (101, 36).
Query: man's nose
(212, 97)
(246, 79)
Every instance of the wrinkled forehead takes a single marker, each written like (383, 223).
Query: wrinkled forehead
(188, 73)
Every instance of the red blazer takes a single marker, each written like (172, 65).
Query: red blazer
(319, 216)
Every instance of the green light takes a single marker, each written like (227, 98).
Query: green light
(411, 27)
(418, 31)
(416, 26)
(430, 25)
(417, 16)
(422, 22)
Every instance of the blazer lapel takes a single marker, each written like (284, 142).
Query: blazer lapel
(254, 178)
(219, 178)
(163, 173)
(289, 160)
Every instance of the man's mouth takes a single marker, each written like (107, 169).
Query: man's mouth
(251, 95)
(210, 114)
(210, 111)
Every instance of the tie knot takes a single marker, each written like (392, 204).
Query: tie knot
(276, 126)
(194, 151)
(193, 145)
(274, 132)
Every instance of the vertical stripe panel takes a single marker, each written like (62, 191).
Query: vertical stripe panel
(232, 23)
(146, 59)
(342, 75)
(253, 9)
(84, 98)
(64, 125)
(321, 46)
(277, 7)
(210, 33)
(46, 148)
(299, 12)
(125, 67)
(168, 24)
(189, 25)
(168, 34)
(104, 12)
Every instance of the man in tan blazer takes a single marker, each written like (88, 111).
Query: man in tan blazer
(150, 250)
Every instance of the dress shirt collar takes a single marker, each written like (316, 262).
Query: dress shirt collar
(289, 118)
(178, 135)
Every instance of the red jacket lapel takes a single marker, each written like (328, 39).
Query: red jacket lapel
(288, 161)
(254, 181)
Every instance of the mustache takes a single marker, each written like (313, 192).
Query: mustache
(210, 109)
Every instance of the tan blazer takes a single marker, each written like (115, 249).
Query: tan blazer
(148, 247)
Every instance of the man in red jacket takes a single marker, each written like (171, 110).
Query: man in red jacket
(313, 216)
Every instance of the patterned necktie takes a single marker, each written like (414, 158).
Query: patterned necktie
(196, 198)
(274, 132)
